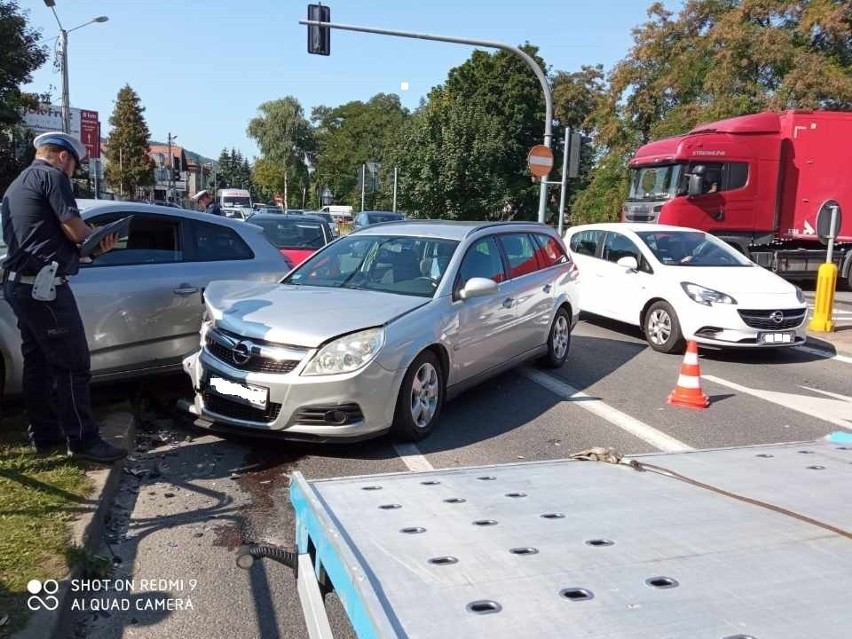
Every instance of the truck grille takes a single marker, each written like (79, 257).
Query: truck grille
(235, 410)
(766, 320)
(255, 364)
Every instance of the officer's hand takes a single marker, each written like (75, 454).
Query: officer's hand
(107, 244)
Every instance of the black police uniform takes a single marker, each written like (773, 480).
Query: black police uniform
(214, 209)
(53, 342)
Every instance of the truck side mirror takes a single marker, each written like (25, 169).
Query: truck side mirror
(695, 184)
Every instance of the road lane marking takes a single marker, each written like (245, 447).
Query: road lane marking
(412, 457)
(828, 409)
(824, 353)
(625, 422)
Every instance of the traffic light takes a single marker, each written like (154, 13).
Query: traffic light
(319, 38)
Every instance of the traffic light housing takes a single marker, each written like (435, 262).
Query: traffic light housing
(319, 38)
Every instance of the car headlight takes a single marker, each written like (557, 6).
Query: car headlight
(706, 296)
(800, 295)
(347, 353)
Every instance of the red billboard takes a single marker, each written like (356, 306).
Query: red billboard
(90, 132)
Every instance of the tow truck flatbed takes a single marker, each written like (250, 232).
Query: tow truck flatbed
(587, 549)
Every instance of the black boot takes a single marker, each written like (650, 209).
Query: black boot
(99, 451)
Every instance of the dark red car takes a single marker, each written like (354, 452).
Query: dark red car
(296, 236)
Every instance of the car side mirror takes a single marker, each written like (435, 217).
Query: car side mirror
(478, 287)
(629, 262)
(695, 184)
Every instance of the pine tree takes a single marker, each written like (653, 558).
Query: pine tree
(129, 164)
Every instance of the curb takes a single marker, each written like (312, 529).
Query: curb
(830, 343)
(119, 428)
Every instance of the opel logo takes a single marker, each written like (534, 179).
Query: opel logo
(241, 353)
(776, 316)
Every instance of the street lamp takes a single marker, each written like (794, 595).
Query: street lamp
(63, 61)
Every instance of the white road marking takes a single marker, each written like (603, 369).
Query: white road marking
(412, 457)
(625, 422)
(824, 353)
(835, 409)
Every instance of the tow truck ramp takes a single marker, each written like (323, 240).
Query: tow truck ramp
(741, 543)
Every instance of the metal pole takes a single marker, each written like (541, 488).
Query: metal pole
(95, 162)
(563, 195)
(548, 98)
(363, 184)
(830, 254)
(121, 171)
(66, 101)
(171, 167)
(395, 176)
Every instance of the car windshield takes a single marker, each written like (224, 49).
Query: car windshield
(392, 264)
(691, 248)
(655, 182)
(291, 234)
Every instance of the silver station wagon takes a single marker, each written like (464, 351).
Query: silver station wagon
(374, 331)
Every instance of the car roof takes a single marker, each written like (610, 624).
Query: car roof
(631, 226)
(98, 207)
(447, 229)
(284, 216)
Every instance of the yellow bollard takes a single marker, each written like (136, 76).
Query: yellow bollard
(823, 320)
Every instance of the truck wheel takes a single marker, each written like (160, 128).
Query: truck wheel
(662, 329)
(420, 399)
(559, 340)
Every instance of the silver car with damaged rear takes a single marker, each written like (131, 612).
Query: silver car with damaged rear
(377, 329)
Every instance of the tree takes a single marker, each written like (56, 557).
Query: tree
(716, 59)
(351, 135)
(128, 163)
(20, 55)
(463, 155)
(284, 136)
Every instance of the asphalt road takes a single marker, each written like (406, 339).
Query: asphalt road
(190, 499)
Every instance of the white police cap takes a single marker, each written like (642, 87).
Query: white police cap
(67, 142)
(199, 195)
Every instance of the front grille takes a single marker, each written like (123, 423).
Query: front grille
(791, 318)
(236, 410)
(315, 415)
(256, 363)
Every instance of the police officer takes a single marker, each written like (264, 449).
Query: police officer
(42, 229)
(207, 203)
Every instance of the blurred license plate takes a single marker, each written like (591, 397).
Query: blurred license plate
(243, 393)
(776, 338)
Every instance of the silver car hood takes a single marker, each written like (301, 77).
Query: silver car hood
(300, 315)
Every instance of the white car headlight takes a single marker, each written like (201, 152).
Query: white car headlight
(706, 296)
(347, 353)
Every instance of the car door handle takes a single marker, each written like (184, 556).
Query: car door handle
(186, 289)
(547, 288)
(508, 302)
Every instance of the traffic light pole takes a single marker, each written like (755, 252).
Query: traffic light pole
(548, 98)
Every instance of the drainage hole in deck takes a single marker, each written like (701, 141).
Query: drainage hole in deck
(576, 594)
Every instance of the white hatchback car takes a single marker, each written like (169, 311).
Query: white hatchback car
(677, 283)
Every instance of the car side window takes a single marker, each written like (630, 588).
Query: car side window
(617, 246)
(586, 242)
(550, 251)
(152, 239)
(215, 243)
(481, 260)
(521, 253)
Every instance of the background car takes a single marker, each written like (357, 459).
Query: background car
(678, 283)
(141, 303)
(374, 331)
(238, 212)
(366, 218)
(296, 236)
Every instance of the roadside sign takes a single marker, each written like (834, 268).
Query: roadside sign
(828, 225)
(540, 160)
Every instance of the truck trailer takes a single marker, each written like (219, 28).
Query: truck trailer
(756, 181)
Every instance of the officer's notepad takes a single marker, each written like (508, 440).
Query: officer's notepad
(120, 227)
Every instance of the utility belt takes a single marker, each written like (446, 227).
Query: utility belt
(11, 276)
(44, 284)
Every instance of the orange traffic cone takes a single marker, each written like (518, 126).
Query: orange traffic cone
(688, 391)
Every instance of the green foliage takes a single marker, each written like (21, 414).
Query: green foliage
(20, 55)
(463, 155)
(129, 166)
(353, 134)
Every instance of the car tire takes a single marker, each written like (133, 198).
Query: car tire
(662, 328)
(420, 399)
(558, 341)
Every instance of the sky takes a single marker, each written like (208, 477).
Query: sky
(202, 67)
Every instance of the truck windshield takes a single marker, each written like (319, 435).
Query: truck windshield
(655, 182)
(235, 200)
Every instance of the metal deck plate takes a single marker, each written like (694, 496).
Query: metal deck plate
(623, 554)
